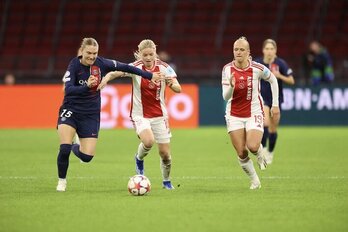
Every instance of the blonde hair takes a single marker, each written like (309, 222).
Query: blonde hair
(146, 43)
(269, 41)
(245, 39)
(88, 42)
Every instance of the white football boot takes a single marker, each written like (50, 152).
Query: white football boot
(269, 157)
(61, 187)
(261, 161)
(255, 183)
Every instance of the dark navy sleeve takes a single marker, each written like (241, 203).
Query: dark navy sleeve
(113, 65)
(131, 69)
(284, 68)
(70, 78)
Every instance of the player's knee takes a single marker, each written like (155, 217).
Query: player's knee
(85, 157)
(165, 155)
(148, 143)
(242, 153)
(65, 149)
(253, 147)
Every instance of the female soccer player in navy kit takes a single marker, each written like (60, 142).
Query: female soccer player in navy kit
(148, 110)
(80, 111)
(283, 74)
(244, 108)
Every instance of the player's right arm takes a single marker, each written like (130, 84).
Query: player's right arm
(227, 84)
(69, 80)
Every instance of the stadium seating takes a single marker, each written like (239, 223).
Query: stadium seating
(40, 37)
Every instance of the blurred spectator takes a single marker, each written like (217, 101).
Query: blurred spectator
(164, 56)
(319, 64)
(9, 79)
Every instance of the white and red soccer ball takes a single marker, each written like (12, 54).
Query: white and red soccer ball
(139, 185)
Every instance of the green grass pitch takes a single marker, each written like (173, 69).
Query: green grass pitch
(305, 189)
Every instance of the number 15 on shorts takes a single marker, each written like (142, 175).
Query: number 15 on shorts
(66, 113)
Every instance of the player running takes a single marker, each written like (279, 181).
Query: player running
(148, 110)
(244, 108)
(283, 74)
(80, 111)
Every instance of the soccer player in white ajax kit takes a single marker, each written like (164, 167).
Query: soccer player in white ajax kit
(148, 111)
(244, 108)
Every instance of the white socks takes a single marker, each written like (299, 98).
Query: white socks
(248, 167)
(142, 151)
(166, 166)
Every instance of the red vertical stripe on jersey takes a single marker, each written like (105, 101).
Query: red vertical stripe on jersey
(95, 71)
(150, 97)
(242, 93)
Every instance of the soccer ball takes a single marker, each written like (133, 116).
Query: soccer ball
(139, 185)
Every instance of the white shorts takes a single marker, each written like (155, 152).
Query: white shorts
(159, 127)
(254, 122)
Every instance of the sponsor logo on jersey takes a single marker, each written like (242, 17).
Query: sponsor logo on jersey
(241, 85)
(82, 82)
(249, 88)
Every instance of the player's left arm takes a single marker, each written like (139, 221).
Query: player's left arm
(267, 75)
(154, 77)
(171, 80)
(110, 76)
(173, 84)
(113, 65)
(284, 73)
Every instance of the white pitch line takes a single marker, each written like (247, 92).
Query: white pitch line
(181, 178)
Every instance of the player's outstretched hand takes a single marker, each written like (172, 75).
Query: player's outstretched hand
(103, 83)
(157, 76)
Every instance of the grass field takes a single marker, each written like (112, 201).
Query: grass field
(305, 189)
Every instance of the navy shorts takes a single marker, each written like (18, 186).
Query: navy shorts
(268, 102)
(86, 125)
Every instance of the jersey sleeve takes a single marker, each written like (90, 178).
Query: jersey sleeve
(265, 73)
(169, 71)
(69, 80)
(226, 86)
(284, 68)
(225, 77)
(119, 66)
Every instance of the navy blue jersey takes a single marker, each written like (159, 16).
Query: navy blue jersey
(81, 99)
(280, 65)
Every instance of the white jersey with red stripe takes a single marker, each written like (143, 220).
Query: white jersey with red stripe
(244, 99)
(148, 98)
